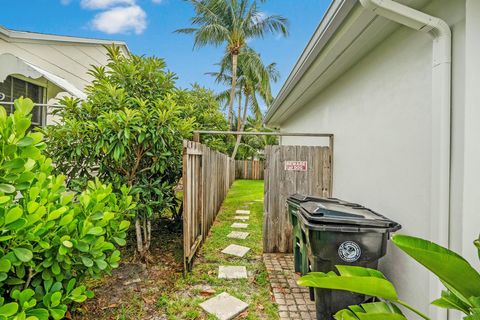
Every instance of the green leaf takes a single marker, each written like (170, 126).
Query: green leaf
(371, 311)
(4, 199)
(23, 254)
(87, 262)
(7, 188)
(13, 215)
(450, 267)
(120, 241)
(5, 265)
(371, 286)
(25, 141)
(9, 309)
(95, 231)
(67, 244)
(124, 225)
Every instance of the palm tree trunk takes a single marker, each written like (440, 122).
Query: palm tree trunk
(232, 91)
(244, 119)
(239, 120)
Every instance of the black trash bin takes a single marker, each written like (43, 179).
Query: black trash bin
(336, 232)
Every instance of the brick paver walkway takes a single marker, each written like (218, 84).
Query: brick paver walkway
(293, 301)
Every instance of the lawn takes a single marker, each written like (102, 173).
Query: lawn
(202, 283)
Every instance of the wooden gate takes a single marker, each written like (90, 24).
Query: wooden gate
(207, 177)
(289, 170)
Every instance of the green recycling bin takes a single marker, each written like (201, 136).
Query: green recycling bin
(300, 255)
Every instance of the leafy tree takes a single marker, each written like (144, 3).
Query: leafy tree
(52, 238)
(202, 105)
(231, 23)
(128, 131)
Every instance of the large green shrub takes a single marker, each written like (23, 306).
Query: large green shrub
(51, 238)
(128, 131)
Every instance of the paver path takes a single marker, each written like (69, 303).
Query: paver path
(238, 235)
(217, 274)
(293, 301)
(224, 306)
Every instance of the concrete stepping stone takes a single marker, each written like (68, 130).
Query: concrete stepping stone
(242, 212)
(238, 235)
(224, 306)
(239, 225)
(232, 272)
(242, 217)
(236, 250)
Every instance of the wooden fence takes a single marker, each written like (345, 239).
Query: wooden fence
(207, 177)
(249, 169)
(311, 174)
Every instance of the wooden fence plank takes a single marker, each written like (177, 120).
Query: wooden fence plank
(207, 177)
(281, 183)
(249, 169)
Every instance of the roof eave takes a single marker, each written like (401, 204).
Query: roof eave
(331, 21)
(29, 36)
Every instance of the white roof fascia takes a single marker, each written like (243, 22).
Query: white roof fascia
(7, 34)
(333, 18)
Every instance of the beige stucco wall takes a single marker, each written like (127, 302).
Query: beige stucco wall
(380, 112)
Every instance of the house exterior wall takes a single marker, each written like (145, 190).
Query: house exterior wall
(67, 60)
(380, 112)
(70, 61)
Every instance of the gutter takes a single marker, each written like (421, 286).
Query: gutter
(441, 112)
(331, 21)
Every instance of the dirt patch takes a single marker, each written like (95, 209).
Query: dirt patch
(134, 290)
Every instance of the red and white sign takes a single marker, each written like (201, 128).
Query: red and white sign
(296, 166)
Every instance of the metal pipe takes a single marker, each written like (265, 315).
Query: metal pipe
(256, 133)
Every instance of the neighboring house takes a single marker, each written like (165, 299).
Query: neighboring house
(45, 67)
(399, 87)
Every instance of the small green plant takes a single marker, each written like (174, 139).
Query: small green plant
(51, 238)
(461, 280)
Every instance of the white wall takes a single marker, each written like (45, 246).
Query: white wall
(380, 112)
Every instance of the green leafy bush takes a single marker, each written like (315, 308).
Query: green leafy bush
(461, 280)
(128, 131)
(51, 238)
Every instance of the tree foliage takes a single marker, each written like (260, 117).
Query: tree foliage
(51, 238)
(128, 131)
(232, 23)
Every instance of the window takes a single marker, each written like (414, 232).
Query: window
(13, 88)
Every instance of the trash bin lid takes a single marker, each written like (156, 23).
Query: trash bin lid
(336, 211)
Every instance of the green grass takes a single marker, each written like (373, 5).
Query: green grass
(255, 290)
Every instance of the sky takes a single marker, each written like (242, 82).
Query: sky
(148, 28)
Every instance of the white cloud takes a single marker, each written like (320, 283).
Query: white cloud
(121, 20)
(104, 4)
(65, 2)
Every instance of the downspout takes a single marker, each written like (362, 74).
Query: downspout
(441, 111)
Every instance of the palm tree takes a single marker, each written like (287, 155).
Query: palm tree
(231, 23)
(253, 83)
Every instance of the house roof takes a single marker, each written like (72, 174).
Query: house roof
(36, 36)
(68, 58)
(346, 33)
